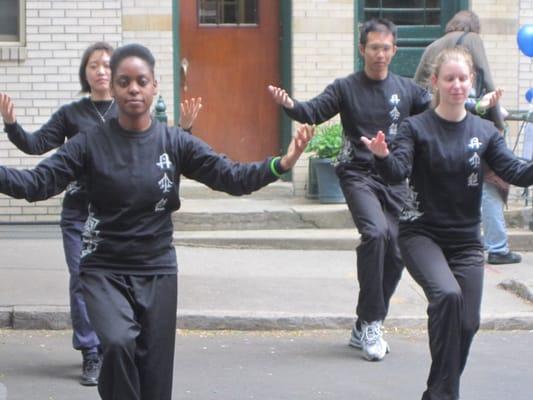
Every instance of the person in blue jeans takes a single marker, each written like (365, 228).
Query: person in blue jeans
(92, 110)
(494, 229)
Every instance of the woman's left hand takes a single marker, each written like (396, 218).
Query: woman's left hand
(297, 146)
(489, 100)
(189, 112)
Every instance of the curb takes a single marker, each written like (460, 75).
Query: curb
(58, 318)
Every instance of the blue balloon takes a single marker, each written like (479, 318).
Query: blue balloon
(525, 40)
(529, 95)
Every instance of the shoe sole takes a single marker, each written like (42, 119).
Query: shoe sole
(89, 383)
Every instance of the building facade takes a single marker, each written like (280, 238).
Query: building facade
(39, 67)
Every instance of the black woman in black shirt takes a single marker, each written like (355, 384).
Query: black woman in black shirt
(441, 151)
(92, 110)
(131, 166)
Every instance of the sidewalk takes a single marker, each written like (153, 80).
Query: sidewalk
(225, 288)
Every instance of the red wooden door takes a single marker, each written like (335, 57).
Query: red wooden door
(231, 52)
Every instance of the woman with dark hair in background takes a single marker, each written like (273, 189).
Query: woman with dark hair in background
(81, 115)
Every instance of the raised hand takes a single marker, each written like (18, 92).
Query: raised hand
(7, 109)
(304, 133)
(189, 112)
(377, 145)
(280, 96)
(489, 100)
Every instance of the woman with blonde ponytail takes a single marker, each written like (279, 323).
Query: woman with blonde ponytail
(441, 151)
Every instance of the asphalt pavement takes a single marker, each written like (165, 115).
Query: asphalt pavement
(276, 365)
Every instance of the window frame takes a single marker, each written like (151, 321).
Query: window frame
(21, 40)
(227, 25)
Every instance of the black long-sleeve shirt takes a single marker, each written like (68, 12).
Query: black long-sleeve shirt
(443, 162)
(365, 106)
(132, 183)
(66, 122)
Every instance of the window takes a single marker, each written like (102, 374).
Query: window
(12, 22)
(410, 13)
(227, 12)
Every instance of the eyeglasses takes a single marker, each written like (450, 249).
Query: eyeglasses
(376, 48)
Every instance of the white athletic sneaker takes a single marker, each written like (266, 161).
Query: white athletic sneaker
(355, 338)
(372, 342)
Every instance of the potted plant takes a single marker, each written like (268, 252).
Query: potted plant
(322, 179)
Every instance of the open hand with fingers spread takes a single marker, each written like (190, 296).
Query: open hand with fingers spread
(189, 112)
(280, 96)
(377, 145)
(7, 109)
(489, 100)
(298, 144)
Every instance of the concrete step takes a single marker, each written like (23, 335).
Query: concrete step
(282, 239)
(190, 189)
(248, 213)
(303, 239)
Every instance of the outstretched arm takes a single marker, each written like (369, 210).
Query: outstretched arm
(50, 136)
(199, 162)
(281, 97)
(50, 177)
(7, 109)
(189, 112)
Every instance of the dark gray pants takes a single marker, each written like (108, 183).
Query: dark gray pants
(452, 279)
(83, 335)
(135, 318)
(375, 208)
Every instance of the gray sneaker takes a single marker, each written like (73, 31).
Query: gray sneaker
(355, 337)
(372, 342)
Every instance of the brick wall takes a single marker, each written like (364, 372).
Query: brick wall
(44, 75)
(150, 23)
(323, 49)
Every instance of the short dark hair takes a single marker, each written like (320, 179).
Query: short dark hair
(131, 50)
(464, 21)
(376, 25)
(104, 46)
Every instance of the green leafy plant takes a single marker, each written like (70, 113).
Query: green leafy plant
(327, 142)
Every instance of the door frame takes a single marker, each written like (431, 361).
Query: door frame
(454, 7)
(285, 64)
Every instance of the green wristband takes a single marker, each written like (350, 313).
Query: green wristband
(273, 167)
(479, 112)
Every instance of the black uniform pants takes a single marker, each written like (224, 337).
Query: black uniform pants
(375, 208)
(452, 279)
(135, 319)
